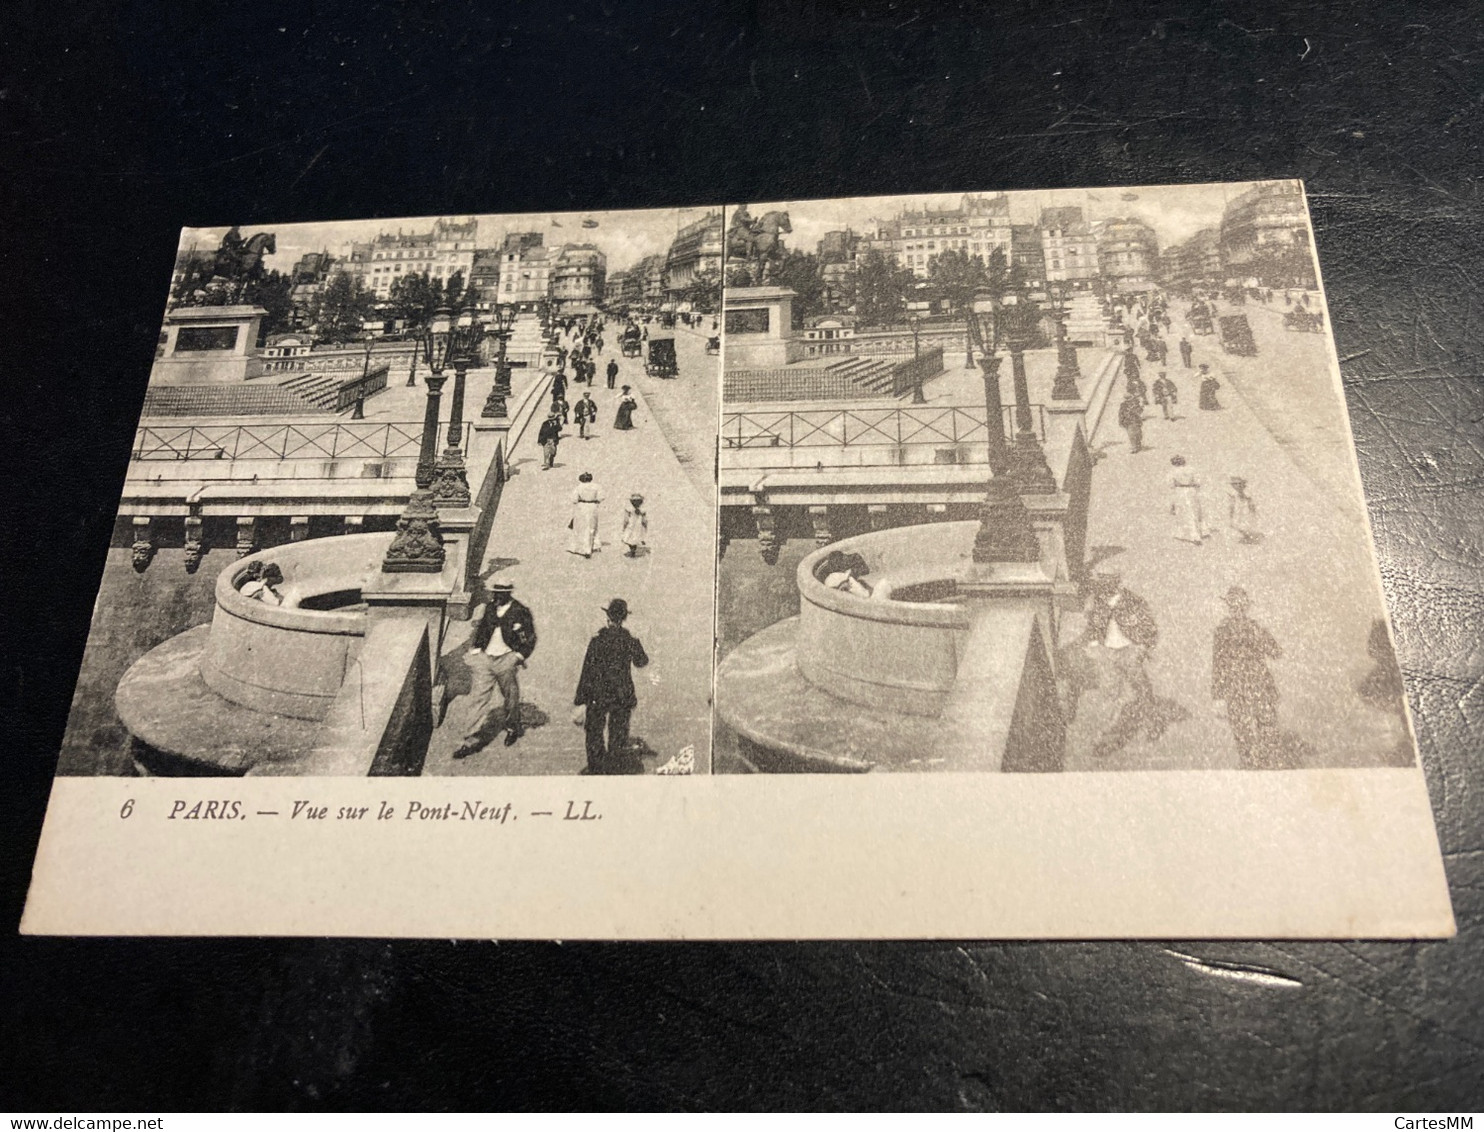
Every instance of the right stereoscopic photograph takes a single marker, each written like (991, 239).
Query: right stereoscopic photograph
(1039, 482)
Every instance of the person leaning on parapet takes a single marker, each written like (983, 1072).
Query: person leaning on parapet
(262, 582)
(501, 644)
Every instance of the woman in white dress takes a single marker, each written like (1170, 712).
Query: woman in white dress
(584, 522)
(1186, 504)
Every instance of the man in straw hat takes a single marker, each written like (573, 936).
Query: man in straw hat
(501, 644)
(605, 691)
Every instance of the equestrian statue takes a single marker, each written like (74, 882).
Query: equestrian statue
(755, 246)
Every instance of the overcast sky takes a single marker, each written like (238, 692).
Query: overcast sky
(624, 237)
(1175, 212)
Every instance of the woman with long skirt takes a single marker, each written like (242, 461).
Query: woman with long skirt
(584, 522)
(626, 406)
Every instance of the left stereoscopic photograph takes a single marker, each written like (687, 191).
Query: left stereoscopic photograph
(418, 497)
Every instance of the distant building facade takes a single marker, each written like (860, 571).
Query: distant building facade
(484, 278)
(1194, 263)
(977, 227)
(1265, 236)
(525, 269)
(577, 276)
(1027, 256)
(1069, 248)
(837, 253)
(1128, 254)
(696, 252)
(444, 252)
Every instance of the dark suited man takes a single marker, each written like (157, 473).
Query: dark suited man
(606, 690)
(501, 644)
(612, 371)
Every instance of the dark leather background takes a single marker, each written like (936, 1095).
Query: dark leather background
(121, 121)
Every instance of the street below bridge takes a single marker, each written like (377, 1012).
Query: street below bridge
(666, 457)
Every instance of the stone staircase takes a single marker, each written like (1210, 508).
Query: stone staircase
(1085, 323)
(318, 390)
(526, 342)
(872, 374)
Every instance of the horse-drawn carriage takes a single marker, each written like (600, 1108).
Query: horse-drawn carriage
(713, 344)
(1236, 335)
(1303, 319)
(661, 361)
(1199, 318)
(632, 343)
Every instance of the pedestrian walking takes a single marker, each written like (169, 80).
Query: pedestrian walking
(1240, 650)
(605, 698)
(1185, 503)
(586, 413)
(584, 521)
(560, 408)
(550, 434)
(1241, 511)
(558, 385)
(1131, 420)
(1135, 387)
(499, 647)
(624, 419)
(1186, 351)
(612, 371)
(1130, 363)
(1209, 386)
(1166, 396)
(635, 525)
(1119, 635)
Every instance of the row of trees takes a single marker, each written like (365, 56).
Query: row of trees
(879, 289)
(339, 311)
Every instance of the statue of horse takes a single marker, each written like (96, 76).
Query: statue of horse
(768, 233)
(240, 261)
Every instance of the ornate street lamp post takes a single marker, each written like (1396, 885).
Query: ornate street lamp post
(451, 481)
(1005, 530)
(1028, 466)
(501, 327)
(917, 398)
(1068, 373)
(418, 546)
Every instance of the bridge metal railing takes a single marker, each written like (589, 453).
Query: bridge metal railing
(897, 428)
(330, 441)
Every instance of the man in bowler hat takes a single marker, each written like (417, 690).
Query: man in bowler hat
(501, 644)
(606, 691)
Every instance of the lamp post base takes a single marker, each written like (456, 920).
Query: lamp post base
(418, 547)
(494, 406)
(1064, 388)
(450, 486)
(1005, 530)
(1029, 470)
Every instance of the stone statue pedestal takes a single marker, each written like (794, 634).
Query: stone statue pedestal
(209, 346)
(759, 328)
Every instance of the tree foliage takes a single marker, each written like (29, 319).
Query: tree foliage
(341, 308)
(274, 293)
(955, 276)
(881, 289)
(800, 273)
(415, 298)
(703, 293)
